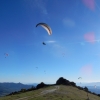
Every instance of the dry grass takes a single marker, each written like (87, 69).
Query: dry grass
(64, 93)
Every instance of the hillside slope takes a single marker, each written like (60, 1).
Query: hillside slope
(60, 92)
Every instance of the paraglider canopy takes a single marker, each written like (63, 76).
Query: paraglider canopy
(46, 27)
(36, 67)
(44, 71)
(6, 54)
(80, 78)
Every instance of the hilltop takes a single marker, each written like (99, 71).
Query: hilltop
(62, 90)
(51, 93)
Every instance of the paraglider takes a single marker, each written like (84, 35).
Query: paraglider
(36, 67)
(43, 43)
(80, 78)
(46, 27)
(63, 54)
(44, 71)
(6, 54)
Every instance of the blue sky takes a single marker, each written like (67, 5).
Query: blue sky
(72, 51)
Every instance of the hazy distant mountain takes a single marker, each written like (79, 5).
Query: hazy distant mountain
(6, 88)
(93, 83)
(91, 86)
(88, 84)
(93, 89)
(34, 84)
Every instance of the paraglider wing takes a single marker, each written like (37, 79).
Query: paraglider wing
(80, 78)
(46, 27)
(6, 54)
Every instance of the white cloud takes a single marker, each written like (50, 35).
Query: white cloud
(52, 41)
(68, 22)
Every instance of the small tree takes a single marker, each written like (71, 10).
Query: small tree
(32, 88)
(63, 81)
(23, 90)
(99, 95)
(40, 85)
(73, 84)
(86, 89)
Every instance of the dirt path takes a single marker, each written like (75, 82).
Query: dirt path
(48, 91)
(42, 93)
